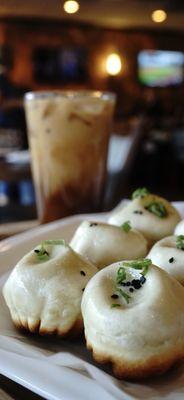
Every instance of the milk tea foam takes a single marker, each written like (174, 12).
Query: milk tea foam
(68, 137)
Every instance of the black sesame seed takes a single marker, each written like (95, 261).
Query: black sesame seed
(171, 259)
(114, 296)
(83, 289)
(138, 212)
(93, 224)
(38, 251)
(142, 279)
(136, 283)
(131, 290)
(82, 273)
(125, 283)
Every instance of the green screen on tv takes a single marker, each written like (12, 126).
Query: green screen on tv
(159, 68)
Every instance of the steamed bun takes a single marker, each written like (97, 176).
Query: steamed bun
(134, 320)
(151, 215)
(103, 244)
(45, 288)
(169, 255)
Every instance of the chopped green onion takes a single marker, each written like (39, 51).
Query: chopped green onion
(126, 226)
(180, 242)
(43, 257)
(121, 275)
(140, 192)
(157, 208)
(55, 242)
(42, 253)
(124, 294)
(115, 305)
(145, 269)
(142, 263)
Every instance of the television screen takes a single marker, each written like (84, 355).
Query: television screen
(160, 68)
(60, 65)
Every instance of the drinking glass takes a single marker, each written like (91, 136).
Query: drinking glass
(68, 134)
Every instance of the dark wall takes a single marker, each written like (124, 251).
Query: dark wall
(25, 36)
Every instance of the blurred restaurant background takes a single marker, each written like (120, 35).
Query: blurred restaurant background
(134, 48)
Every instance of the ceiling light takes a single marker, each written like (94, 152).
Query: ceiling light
(159, 16)
(71, 6)
(113, 64)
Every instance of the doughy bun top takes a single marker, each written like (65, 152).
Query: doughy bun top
(103, 244)
(169, 255)
(152, 215)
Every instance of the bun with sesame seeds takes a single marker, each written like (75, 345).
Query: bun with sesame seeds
(103, 244)
(44, 290)
(133, 319)
(168, 254)
(150, 214)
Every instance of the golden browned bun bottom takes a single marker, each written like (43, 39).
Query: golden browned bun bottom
(154, 366)
(75, 330)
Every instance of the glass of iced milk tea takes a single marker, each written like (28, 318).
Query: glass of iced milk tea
(68, 138)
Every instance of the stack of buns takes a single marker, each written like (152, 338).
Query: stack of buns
(122, 281)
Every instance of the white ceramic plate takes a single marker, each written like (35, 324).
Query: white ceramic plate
(58, 369)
